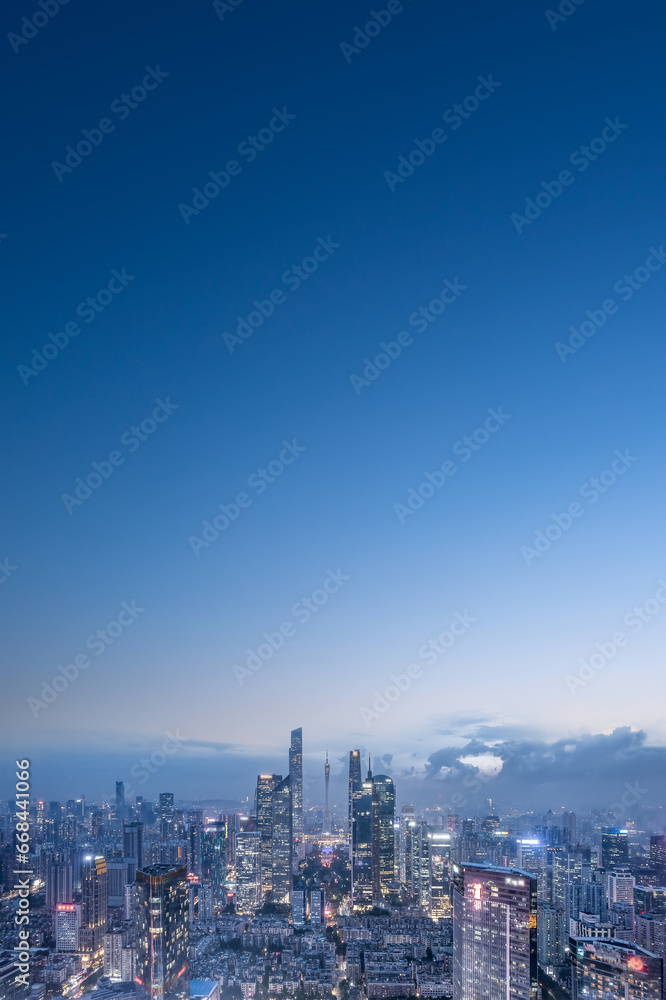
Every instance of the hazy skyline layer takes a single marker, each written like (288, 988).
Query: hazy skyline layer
(369, 439)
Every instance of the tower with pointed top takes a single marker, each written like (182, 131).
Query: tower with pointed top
(327, 810)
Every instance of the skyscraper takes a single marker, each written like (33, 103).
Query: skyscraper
(93, 904)
(249, 895)
(67, 920)
(354, 782)
(266, 784)
(296, 776)
(614, 970)
(120, 799)
(299, 902)
(214, 859)
(494, 933)
(166, 806)
(133, 842)
(162, 962)
(282, 842)
(59, 883)
(439, 904)
(327, 808)
(532, 859)
(386, 803)
(614, 847)
(658, 857)
(365, 866)
(317, 906)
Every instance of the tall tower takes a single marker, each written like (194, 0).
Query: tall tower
(93, 904)
(282, 842)
(327, 809)
(266, 783)
(386, 798)
(365, 866)
(133, 842)
(354, 782)
(162, 929)
(296, 774)
(494, 933)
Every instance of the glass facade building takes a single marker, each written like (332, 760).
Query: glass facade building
(614, 970)
(494, 933)
(162, 932)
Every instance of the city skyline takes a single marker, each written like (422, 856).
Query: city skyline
(479, 481)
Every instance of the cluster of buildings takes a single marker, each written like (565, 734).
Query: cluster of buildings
(364, 901)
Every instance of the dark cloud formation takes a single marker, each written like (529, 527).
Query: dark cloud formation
(587, 772)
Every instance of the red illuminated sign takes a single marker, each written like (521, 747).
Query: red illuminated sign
(66, 906)
(636, 963)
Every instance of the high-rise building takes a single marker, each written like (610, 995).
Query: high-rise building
(282, 842)
(365, 867)
(569, 831)
(298, 902)
(296, 782)
(620, 886)
(94, 916)
(120, 799)
(439, 903)
(650, 899)
(614, 847)
(67, 922)
(326, 829)
(532, 859)
(494, 933)
(59, 883)
(214, 859)
(133, 842)
(162, 958)
(385, 790)
(614, 970)
(354, 782)
(118, 876)
(548, 934)
(266, 784)
(658, 857)
(317, 906)
(249, 896)
(166, 806)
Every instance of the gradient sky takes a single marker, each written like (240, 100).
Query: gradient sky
(333, 508)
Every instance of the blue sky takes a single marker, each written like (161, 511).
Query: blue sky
(321, 181)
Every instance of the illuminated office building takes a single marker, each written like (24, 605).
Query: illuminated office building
(93, 904)
(214, 859)
(614, 848)
(532, 859)
(282, 841)
(439, 900)
(614, 970)
(354, 782)
(133, 842)
(162, 943)
(317, 906)
(296, 782)
(298, 902)
(67, 923)
(249, 895)
(266, 784)
(366, 885)
(494, 933)
(385, 790)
